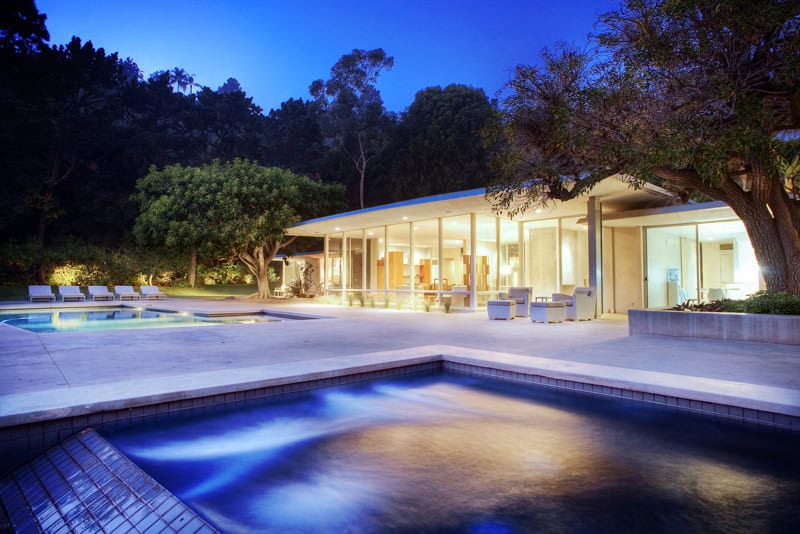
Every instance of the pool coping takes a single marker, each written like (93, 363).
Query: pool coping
(656, 387)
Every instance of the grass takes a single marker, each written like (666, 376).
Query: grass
(217, 291)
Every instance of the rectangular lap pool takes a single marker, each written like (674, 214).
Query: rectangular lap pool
(451, 453)
(112, 318)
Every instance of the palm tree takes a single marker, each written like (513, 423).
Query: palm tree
(178, 77)
(190, 81)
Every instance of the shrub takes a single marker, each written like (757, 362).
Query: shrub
(781, 303)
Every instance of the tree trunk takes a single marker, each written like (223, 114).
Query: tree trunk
(193, 268)
(258, 262)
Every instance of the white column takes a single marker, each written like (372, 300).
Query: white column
(473, 243)
(324, 278)
(364, 255)
(594, 218)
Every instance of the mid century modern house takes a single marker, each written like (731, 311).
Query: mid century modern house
(639, 248)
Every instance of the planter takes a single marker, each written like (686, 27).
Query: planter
(784, 329)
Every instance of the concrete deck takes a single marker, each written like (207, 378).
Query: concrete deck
(47, 373)
(63, 376)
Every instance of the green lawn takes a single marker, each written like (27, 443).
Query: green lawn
(21, 293)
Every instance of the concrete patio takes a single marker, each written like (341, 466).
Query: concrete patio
(45, 372)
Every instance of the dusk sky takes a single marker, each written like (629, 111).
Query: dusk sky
(277, 48)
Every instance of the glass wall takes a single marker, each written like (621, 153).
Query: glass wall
(333, 264)
(671, 265)
(487, 262)
(510, 269)
(354, 260)
(454, 266)
(727, 260)
(574, 255)
(426, 260)
(541, 257)
(376, 251)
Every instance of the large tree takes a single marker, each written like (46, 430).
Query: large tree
(238, 209)
(355, 115)
(700, 96)
(438, 145)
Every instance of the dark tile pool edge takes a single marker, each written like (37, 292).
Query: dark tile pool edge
(86, 484)
(725, 411)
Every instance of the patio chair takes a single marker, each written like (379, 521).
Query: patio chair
(580, 305)
(70, 293)
(126, 292)
(100, 293)
(40, 293)
(151, 292)
(521, 296)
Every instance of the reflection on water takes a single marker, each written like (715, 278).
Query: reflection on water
(460, 454)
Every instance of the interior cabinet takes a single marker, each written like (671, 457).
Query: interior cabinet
(395, 270)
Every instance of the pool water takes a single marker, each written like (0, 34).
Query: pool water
(447, 453)
(109, 318)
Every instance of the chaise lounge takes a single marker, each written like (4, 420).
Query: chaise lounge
(100, 293)
(71, 293)
(151, 292)
(126, 292)
(580, 305)
(40, 293)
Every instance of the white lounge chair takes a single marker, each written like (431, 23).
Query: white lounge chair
(151, 292)
(40, 293)
(580, 305)
(70, 293)
(100, 293)
(521, 296)
(126, 292)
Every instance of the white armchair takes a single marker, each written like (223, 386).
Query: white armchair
(522, 297)
(580, 305)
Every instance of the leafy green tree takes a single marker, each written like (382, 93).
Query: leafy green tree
(57, 118)
(699, 96)
(355, 115)
(237, 209)
(438, 144)
(227, 125)
(293, 138)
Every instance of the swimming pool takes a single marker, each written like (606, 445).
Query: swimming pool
(112, 318)
(466, 454)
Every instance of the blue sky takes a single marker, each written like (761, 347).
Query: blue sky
(277, 48)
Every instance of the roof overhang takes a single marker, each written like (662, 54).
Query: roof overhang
(613, 193)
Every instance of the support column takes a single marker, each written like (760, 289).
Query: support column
(440, 253)
(594, 218)
(324, 277)
(344, 266)
(364, 256)
(473, 244)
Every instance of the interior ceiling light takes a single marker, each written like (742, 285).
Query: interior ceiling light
(405, 218)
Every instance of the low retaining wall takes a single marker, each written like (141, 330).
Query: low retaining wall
(784, 329)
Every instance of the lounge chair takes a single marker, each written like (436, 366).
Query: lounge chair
(151, 292)
(580, 305)
(70, 293)
(40, 293)
(521, 296)
(100, 293)
(126, 292)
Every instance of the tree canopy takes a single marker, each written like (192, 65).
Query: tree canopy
(355, 116)
(699, 96)
(235, 209)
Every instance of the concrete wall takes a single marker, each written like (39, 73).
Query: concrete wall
(784, 329)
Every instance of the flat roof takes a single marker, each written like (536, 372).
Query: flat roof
(613, 192)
